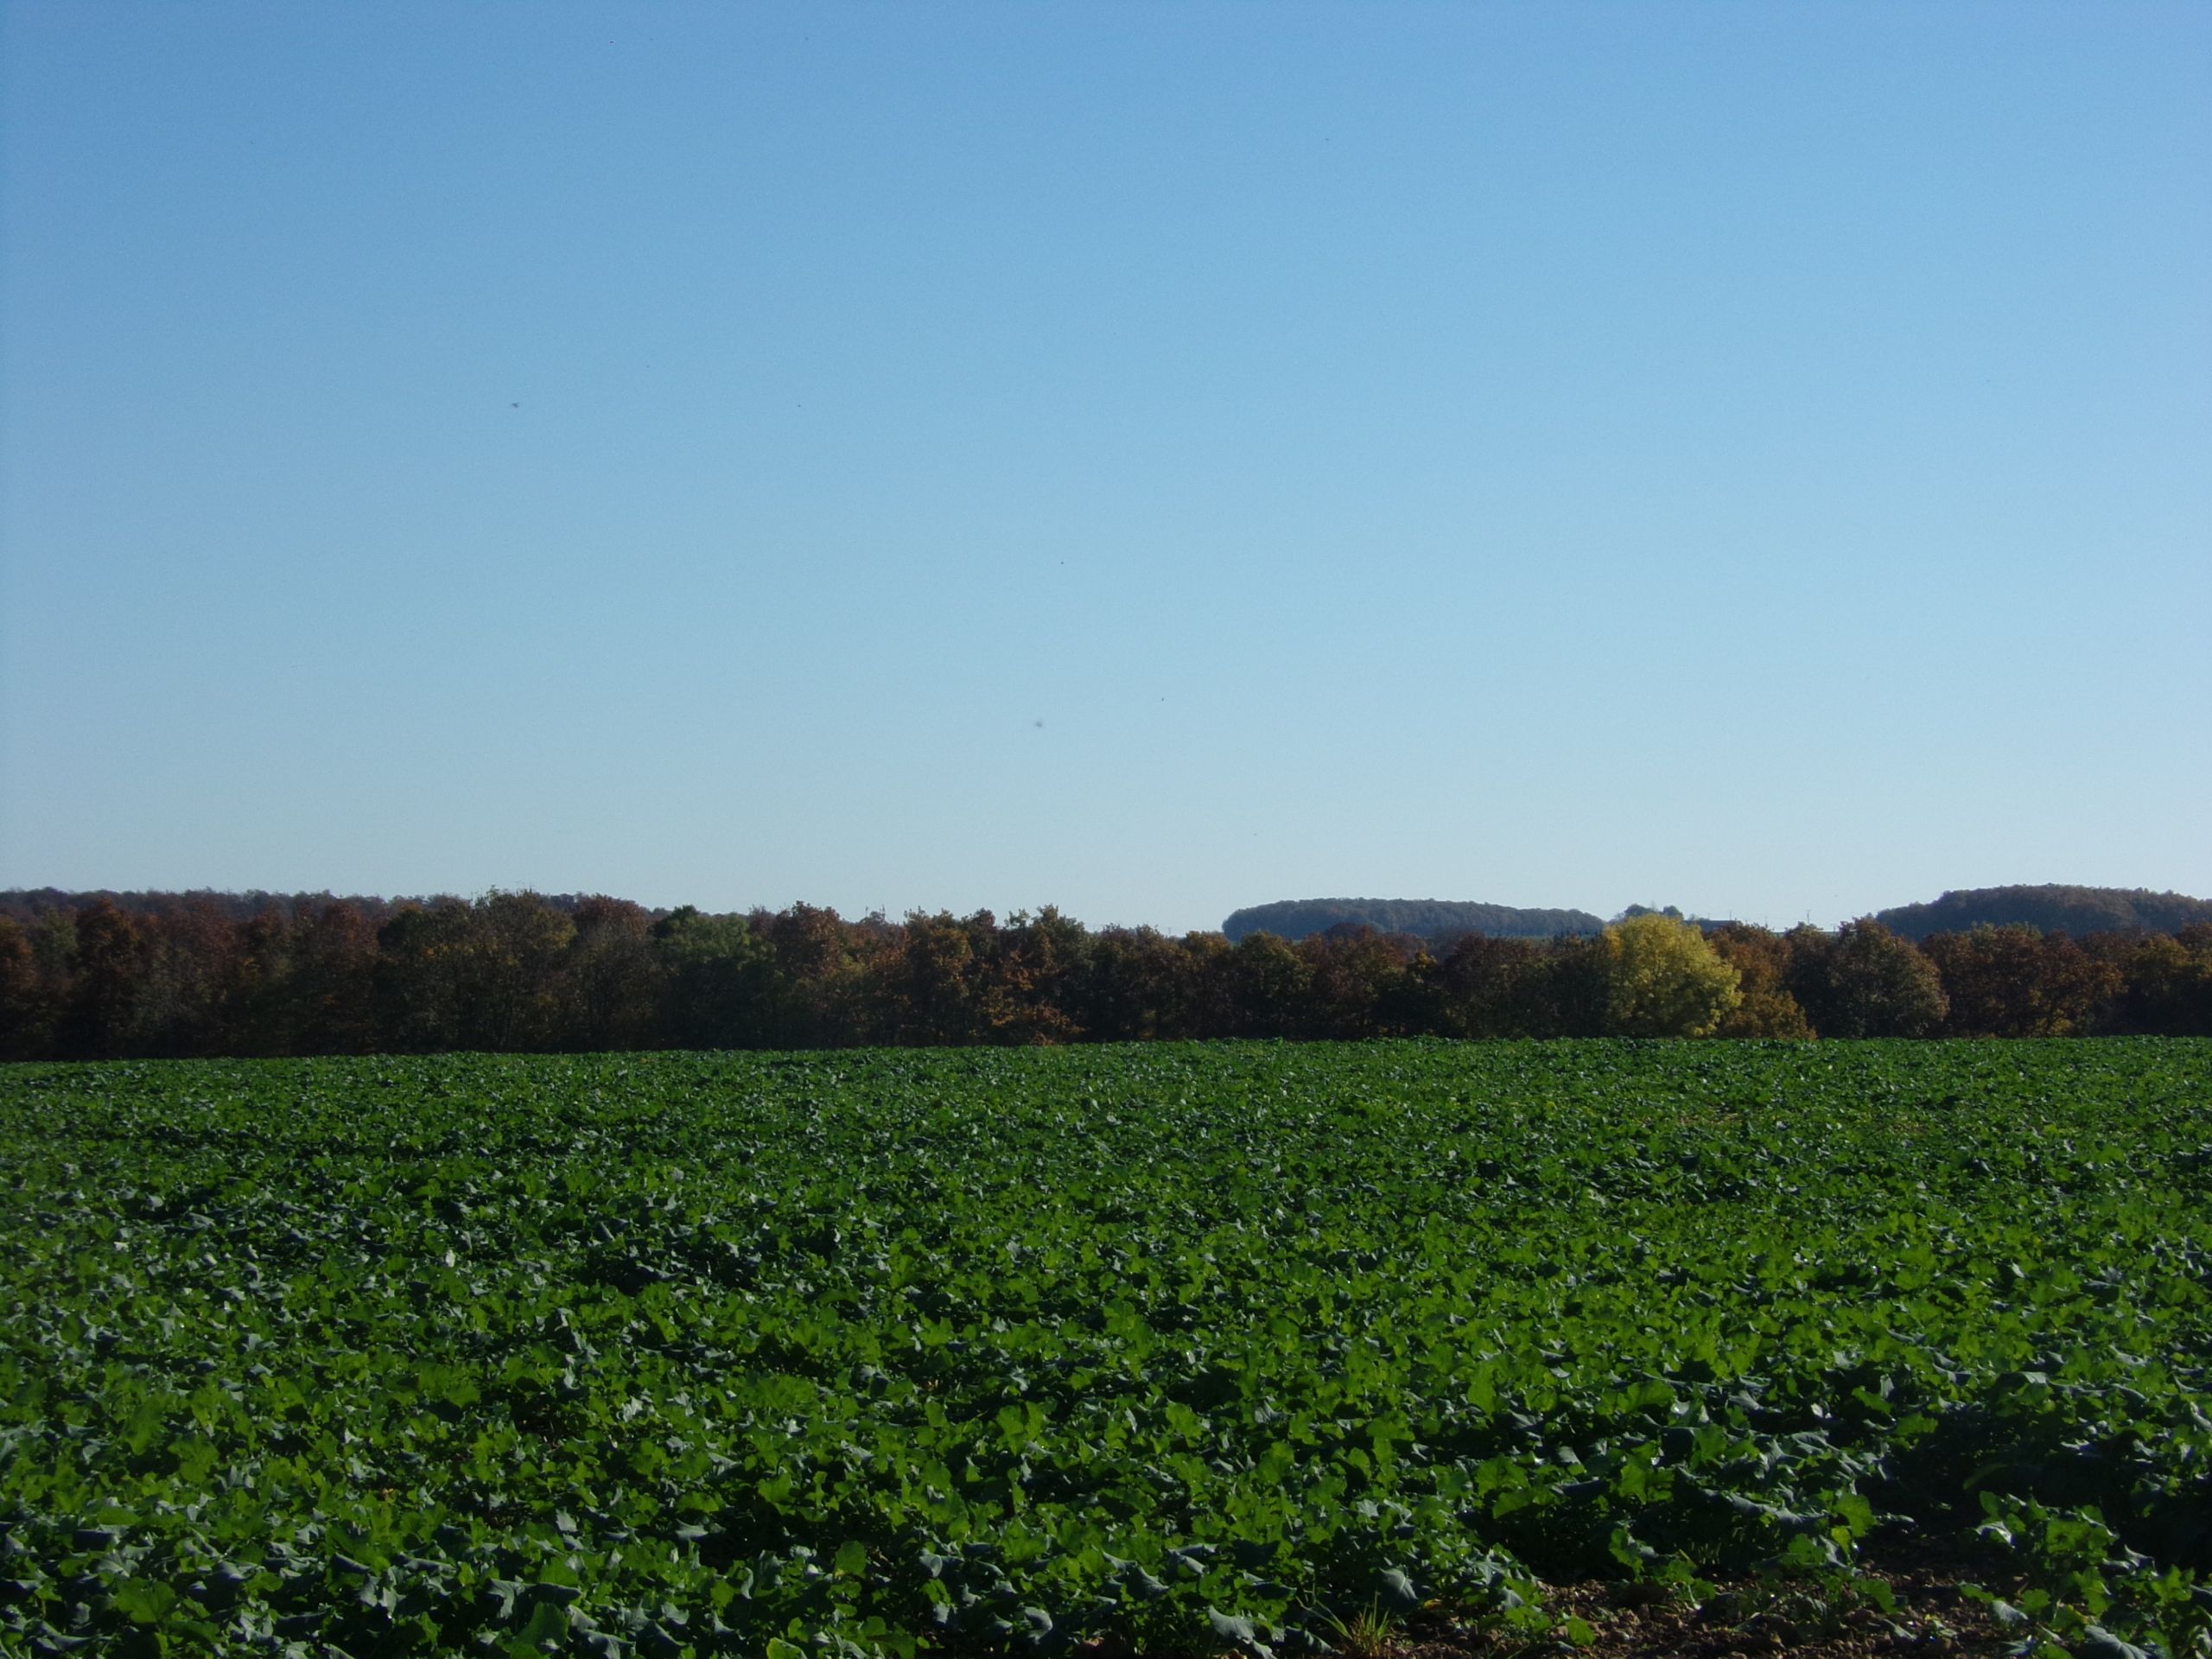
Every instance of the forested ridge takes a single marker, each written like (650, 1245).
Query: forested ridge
(1426, 918)
(2048, 909)
(150, 974)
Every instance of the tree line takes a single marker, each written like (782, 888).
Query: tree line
(517, 971)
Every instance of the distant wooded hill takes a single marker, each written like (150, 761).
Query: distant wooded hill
(1425, 918)
(2050, 910)
(28, 903)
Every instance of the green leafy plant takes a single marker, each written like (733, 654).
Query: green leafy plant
(882, 1353)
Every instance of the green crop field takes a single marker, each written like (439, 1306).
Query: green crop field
(1201, 1348)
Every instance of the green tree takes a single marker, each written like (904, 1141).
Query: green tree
(1137, 984)
(613, 977)
(100, 1017)
(922, 984)
(719, 983)
(1664, 980)
(1265, 983)
(515, 947)
(420, 987)
(2167, 985)
(1481, 981)
(819, 962)
(1864, 981)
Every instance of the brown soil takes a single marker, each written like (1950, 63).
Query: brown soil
(1746, 1620)
(1743, 1620)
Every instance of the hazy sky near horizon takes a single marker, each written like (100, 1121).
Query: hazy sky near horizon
(1149, 459)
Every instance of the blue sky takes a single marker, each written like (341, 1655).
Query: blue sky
(1150, 459)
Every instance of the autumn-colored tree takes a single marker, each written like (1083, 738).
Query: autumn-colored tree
(2014, 981)
(1664, 980)
(1357, 981)
(1760, 960)
(192, 983)
(1862, 980)
(1034, 970)
(151, 974)
(2077, 987)
(25, 1007)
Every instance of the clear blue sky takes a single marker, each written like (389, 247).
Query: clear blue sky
(1147, 458)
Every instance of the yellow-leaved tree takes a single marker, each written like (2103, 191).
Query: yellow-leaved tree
(1664, 980)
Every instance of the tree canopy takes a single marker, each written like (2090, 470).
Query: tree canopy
(1664, 980)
